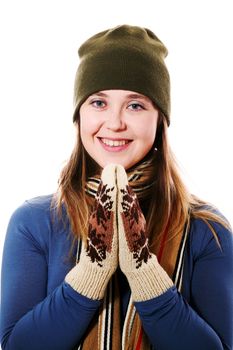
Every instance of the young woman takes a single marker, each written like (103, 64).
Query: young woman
(122, 256)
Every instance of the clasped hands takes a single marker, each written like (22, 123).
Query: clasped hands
(117, 227)
(117, 236)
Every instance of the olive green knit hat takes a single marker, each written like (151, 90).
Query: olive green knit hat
(127, 58)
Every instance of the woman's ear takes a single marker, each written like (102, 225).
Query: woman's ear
(159, 130)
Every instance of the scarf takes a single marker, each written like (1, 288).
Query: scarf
(140, 172)
(105, 331)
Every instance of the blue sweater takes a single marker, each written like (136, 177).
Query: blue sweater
(40, 311)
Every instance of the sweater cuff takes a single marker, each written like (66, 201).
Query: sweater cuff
(149, 281)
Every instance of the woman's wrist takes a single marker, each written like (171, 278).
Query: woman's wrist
(148, 281)
(89, 280)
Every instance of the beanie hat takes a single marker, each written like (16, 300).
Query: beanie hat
(127, 58)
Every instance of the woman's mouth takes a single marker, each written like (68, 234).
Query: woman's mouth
(114, 145)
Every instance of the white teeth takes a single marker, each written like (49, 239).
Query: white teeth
(114, 143)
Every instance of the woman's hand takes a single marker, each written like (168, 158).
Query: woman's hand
(99, 256)
(146, 277)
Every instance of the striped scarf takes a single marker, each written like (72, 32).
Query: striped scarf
(105, 331)
(141, 172)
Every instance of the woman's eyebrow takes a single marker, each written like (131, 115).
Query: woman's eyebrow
(100, 94)
(137, 96)
(129, 96)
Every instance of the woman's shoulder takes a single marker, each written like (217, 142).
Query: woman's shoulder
(35, 217)
(208, 234)
(40, 202)
(37, 220)
(33, 207)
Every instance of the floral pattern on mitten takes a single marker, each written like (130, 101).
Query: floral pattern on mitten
(146, 277)
(134, 226)
(100, 231)
(99, 256)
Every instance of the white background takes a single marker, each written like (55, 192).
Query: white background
(38, 54)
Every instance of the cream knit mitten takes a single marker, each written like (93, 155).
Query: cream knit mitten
(146, 277)
(99, 258)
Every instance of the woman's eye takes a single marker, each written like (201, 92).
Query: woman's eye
(136, 106)
(98, 103)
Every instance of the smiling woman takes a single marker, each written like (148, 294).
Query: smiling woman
(117, 126)
(122, 256)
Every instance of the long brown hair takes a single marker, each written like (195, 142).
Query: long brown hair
(170, 203)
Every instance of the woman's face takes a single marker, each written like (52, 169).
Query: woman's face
(118, 126)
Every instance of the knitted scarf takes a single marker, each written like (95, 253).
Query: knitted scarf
(105, 331)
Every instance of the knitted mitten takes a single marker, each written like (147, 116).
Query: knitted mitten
(99, 257)
(146, 277)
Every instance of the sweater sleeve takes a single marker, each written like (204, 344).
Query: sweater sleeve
(203, 320)
(31, 319)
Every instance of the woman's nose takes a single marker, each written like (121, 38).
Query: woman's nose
(115, 121)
